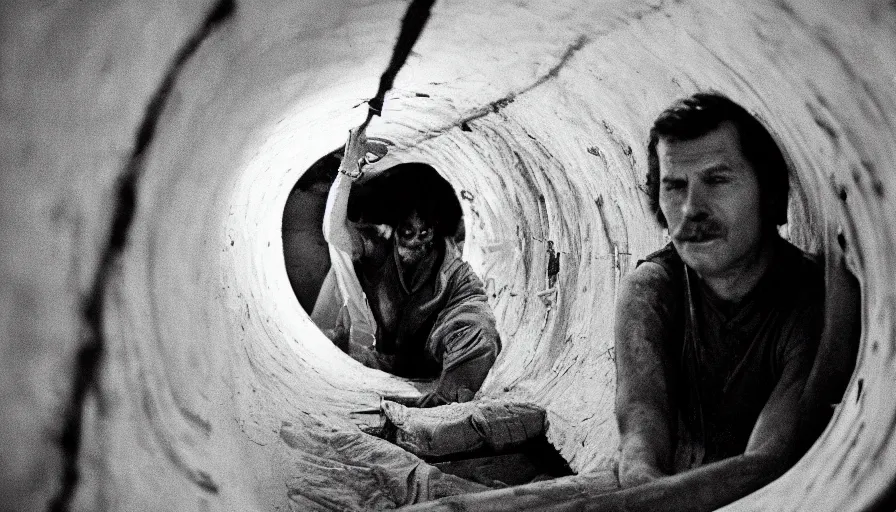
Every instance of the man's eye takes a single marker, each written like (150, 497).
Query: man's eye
(716, 180)
(673, 185)
(406, 233)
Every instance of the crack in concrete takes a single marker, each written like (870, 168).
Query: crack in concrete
(496, 106)
(92, 337)
(415, 18)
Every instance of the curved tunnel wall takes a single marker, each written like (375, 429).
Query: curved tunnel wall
(216, 392)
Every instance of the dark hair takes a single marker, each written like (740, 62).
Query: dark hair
(697, 115)
(404, 189)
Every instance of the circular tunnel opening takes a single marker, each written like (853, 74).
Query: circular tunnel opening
(376, 200)
(515, 192)
(214, 380)
(383, 200)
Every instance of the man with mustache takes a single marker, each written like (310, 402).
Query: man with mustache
(399, 297)
(717, 332)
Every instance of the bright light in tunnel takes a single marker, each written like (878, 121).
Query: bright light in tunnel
(520, 186)
(215, 390)
(254, 222)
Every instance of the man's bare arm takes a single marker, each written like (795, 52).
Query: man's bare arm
(643, 317)
(838, 348)
(771, 450)
(769, 453)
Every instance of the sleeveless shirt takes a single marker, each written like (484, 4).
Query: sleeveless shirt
(724, 359)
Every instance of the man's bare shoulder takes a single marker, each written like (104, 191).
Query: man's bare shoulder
(647, 279)
(646, 307)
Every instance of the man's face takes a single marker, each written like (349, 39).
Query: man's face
(414, 239)
(709, 195)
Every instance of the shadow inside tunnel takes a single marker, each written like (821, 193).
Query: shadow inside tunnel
(305, 250)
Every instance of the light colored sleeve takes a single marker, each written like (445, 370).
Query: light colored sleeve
(338, 231)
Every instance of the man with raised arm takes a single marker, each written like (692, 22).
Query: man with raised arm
(716, 333)
(403, 300)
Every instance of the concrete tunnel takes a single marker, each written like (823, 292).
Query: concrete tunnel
(154, 356)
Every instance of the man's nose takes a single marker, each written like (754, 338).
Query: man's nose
(694, 207)
(415, 241)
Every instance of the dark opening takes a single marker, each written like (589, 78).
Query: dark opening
(304, 249)
(534, 461)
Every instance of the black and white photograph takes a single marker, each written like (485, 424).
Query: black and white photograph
(448, 255)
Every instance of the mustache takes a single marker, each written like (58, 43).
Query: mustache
(698, 231)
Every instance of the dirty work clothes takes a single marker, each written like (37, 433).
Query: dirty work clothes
(723, 359)
(442, 324)
(464, 427)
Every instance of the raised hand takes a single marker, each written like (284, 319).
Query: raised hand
(355, 151)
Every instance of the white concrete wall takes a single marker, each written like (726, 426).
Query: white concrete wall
(215, 391)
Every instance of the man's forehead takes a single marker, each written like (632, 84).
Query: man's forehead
(718, 148)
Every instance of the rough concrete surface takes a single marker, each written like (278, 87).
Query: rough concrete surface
(212, 390)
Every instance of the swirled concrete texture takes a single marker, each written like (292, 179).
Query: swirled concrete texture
(213, 390)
